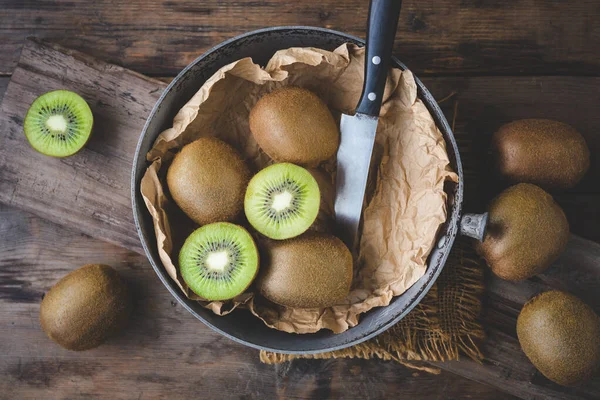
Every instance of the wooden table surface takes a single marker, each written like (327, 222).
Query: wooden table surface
(504, 59)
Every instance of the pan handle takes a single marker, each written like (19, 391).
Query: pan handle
(474, 225)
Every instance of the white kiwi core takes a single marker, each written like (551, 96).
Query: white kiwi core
(282, 201)
(56, 123)
(217, 261)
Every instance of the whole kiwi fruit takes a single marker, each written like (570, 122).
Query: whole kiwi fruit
(560, 335)
(85, 307)
(550, 154)
(292, 124)
(308, 271)
(526, 232)
(207, 180)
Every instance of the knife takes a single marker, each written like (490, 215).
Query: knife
(358, 130)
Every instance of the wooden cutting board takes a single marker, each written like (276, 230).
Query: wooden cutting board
(89, 191)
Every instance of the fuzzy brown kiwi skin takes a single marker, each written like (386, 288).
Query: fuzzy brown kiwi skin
(326, 217)
(292, 124)
(86, 307)
(313, 270)
(560, 335)
(547, 153)
(207, 180)
(527, 231)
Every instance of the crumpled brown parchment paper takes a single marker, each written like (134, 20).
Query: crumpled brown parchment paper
(406, 202)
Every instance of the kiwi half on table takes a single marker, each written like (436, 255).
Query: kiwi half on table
(58, 123)
(282, 201)
(219, 261)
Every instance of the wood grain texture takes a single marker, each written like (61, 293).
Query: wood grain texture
(434, 36)
(164, 352)
(485, 103)
(91, 189)
(3, 84)
(38, 253)
(506, 366)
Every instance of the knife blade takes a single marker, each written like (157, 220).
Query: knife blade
(353, 161)
(358, 131)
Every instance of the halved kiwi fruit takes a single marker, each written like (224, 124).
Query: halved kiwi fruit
(282, 201)
(219, 261)
(58, 123)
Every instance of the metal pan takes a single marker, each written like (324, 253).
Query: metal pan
(241, 326)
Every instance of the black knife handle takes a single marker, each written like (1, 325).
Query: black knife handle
(381, 32)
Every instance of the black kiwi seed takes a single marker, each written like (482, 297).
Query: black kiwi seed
(293, 210)
(216, 246)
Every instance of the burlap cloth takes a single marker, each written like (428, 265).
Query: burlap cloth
(441, 327)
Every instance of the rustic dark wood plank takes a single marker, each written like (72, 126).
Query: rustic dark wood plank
(89, 190)
(165, 347)
(32, 180)
(165, 351)
(489, 101)
(583, 213)
(434, 36)
(485, 103)
(3, 84)
(506, 366)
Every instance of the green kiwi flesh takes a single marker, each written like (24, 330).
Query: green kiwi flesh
(58, 123)
(85, 307)
(282, 201)
(219, 261)
(207, 179)
(560, 335)
(312, 270)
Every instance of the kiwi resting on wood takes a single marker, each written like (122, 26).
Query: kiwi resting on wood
(311, 270)
(58, 123)
(526, 232)
(293, 125)
(560, 335)
(207, 180)
(550, 154)
(85, 307)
